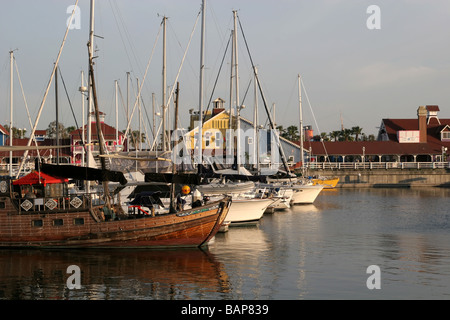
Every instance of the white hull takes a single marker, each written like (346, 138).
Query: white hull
(247, 211)
(305, 194)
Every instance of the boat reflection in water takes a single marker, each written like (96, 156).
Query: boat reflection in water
(111, 275)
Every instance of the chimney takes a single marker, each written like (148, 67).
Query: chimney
(422, 116)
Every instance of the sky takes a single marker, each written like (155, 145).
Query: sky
(352, 74)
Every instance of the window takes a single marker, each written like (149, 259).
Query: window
(2, 205)
(207, 138)
(445, 136)
(78, 221)
(58, 222)
(37, 223)
(218, 138)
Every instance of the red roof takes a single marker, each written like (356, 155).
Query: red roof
(370, 148)
(3, 130)
(109, 133)
(36, 177)
(433, 108)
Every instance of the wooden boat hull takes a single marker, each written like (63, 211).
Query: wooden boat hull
(82, 229)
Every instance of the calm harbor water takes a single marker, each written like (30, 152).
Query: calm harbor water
(319, 251)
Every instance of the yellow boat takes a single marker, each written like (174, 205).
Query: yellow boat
(327, 183)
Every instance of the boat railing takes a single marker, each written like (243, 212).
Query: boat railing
(377, 165)
(73, 202)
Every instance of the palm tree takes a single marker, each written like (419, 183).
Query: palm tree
(346, 135)
(356, 131)
(335, 135)
(324, 137)
(292, 133)
(281, 131)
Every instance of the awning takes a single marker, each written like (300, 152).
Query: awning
(36, 177)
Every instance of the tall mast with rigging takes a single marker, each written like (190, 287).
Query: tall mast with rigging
(11, 56)
(238, 106)
(302, 156)
(200, 106)
(90, 98)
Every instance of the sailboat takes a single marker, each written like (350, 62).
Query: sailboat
(303, 190)
(49, 216)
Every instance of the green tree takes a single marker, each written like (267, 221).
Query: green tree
(356, 131)
(335, 135)
(135, 141)
(51, 130)
(324, 137)
(292, 133)
(17, 133)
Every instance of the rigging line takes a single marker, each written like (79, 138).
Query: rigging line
(25, 155)
(182, 61)
(26, 106)
(71, 108)
(126, 35)
(145, 124)
(181, 47)
(142, 83)
(280, 149)
(314, 117)
(217, 78)
(246, 91)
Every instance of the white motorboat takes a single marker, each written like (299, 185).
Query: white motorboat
(246, 207)
(245, 211)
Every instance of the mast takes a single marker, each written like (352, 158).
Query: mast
(238, 106)
(200, 106)
(117, 114)
(230, 139)
(11, 57)
(302, 156)
(90, 96)
(83, 136)
(101, 141)
(164, 86)
(153, 118)
(255, 123)
(128, 106)
(174, 143)
(57, 116)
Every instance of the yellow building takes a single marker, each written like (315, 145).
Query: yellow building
(255, 146)
(214, 129)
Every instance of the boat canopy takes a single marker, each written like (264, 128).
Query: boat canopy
(37, 177)
(83, 173)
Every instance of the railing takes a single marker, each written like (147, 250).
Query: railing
(27, 168)
(376, 165)
(55, 204)
(116, 148)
